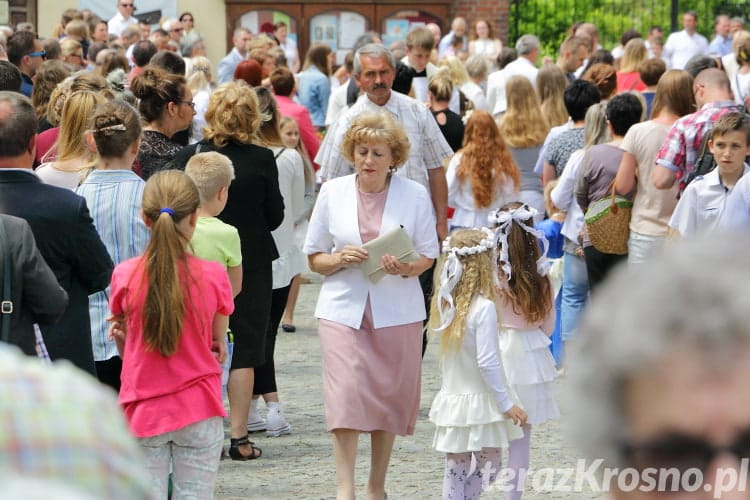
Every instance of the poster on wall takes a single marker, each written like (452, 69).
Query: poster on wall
(324, 29)
(4, 12)
(106, 9)
(395, 31)
(355, 27)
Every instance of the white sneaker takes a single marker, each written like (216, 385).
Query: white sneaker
(276, 423)
(255, 423)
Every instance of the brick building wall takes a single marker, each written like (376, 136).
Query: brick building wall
(496, 11)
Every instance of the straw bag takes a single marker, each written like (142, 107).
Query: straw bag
(608, 223)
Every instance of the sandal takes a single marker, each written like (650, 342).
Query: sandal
(288, 327)
(236, 454)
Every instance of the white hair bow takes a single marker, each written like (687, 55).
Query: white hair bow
(503, 221)
(451, 274)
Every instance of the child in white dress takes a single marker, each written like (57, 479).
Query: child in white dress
(525, 302)
(474, 412)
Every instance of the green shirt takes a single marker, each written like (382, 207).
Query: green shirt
(217, 241)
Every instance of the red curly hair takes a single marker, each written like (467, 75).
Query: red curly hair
(485, 159)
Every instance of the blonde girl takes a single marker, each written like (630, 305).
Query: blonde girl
(524, 128)
(291, 138)
(464, 313)
(175, 308)
(71, 154)
(527, 313)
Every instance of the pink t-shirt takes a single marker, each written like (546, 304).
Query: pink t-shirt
(162, 394)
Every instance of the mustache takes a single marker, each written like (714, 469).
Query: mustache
(379, 86)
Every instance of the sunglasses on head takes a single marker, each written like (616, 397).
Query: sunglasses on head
(40, 53)
(682, 451)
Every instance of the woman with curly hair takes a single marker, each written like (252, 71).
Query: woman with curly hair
(482, 176)
(524, 128)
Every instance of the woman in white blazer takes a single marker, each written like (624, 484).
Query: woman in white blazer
(370, 333)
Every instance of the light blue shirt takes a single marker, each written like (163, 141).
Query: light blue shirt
(228, 65)
(314, 89)
(720, 46)
(114, 199)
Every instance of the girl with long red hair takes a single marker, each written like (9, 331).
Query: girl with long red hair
(482, 176)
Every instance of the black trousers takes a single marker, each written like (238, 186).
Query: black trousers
(265, 375)
(599, 264)
(108, 372)
(426, 282)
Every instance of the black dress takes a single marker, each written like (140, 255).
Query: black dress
(452, 129)
(155, 152)
(255, 207)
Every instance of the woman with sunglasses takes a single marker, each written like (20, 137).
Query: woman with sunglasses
(659, 382)
(166, 105)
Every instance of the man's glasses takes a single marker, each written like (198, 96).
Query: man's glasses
(126, 4)
(176, 30)
(682, 452)
(41, 53)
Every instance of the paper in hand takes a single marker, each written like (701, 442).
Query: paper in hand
(395, 242)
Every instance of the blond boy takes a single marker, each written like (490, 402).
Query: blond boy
(213, 239)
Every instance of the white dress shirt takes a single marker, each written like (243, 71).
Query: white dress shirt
(681, 46)
(118, 23)
(496, 83)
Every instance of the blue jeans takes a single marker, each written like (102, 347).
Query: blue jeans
(575, 292)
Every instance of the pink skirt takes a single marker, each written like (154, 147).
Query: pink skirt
(371, 377)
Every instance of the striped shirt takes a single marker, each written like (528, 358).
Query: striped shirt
(427, 146)
(114, 199)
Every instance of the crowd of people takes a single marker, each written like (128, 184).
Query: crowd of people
(157, 225)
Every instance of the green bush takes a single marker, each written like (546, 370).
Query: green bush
(550, 19)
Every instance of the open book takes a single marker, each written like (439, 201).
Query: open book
(395, 242)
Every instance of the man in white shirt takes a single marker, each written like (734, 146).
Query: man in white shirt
(123, 18)
(683, 45)
(528, 51)
(374, 71)
(227, 65)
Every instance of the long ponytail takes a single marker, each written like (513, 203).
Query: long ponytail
(168, 198)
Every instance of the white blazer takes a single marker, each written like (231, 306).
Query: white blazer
(334, 223)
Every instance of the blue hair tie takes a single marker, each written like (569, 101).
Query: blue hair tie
(167, 210)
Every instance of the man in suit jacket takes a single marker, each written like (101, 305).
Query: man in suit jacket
(35, 294)
(62, 226)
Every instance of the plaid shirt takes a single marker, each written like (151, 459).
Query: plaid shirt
(59, 424)
(682, 146)
(428, 148)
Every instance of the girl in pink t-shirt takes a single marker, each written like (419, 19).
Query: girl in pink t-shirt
(171, 312)
(527, 313)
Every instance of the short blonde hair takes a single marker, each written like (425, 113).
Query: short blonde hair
(232, 114)
(210, 171)
(68, 47)
(372, 128)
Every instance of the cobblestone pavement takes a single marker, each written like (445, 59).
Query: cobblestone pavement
(301, 466)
